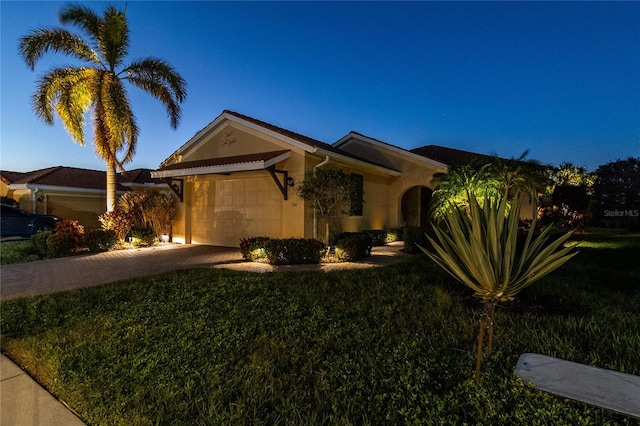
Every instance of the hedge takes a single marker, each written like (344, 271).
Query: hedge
(378, 236)
(287, 251)
(416, 236)
(352, 246)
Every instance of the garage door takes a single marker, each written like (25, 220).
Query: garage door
(226, 210)
(83, 208)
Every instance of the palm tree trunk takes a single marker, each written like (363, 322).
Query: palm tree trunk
(111, 185)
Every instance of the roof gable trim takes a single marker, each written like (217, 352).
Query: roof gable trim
(361, 163)
(32, 186)
(389, 147)
(245, 166)
(199, 137)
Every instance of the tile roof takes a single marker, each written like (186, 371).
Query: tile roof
(73, 177)
(8, 177)
(301, 138)
(450, 156)
(138, 176)
(458, 157)
(225, 161)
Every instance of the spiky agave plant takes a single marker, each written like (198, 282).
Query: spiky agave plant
(478, 247)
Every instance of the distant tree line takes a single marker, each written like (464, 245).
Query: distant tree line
(566, 195)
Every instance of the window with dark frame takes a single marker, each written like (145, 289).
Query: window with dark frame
(357, 195)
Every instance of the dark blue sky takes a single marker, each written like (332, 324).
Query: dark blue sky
(559, 79)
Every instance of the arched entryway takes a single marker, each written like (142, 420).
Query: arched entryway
(414, 206)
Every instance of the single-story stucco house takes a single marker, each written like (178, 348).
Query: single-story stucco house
(236, 177)
(70, 192)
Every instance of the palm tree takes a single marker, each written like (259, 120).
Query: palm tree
(479, 249)
(492, 177)
(98, 84)
(455, 185)
(570, 174)
(570, 194)
(527, 177)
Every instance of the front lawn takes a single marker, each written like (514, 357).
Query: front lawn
(17, 251)
(393, 345)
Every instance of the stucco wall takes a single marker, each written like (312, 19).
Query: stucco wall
(221, 209)
(415, 172)
(83, 207)
(375, 212)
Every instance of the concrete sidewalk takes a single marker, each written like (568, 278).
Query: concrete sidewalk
(22, 400)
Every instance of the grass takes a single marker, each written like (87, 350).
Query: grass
(393, 345)
(17, 251)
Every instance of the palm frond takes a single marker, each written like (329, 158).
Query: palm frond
(83, 17)
(68, 92)
(113, 37)
(154, 69)
(40, 41)
(159, 79)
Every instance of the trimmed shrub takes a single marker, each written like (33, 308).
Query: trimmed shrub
(99, 240)
(68, 236)
(288, 251)
(59, 245)
(72, 230)
(378, 236)
(352, 246)
(416, 236)
(394, 234)
(39, 241)
(143, 237)
(292, 251)
(117, 221)
(254, 248)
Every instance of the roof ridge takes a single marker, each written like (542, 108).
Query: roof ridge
(10, 176)
(38, 174)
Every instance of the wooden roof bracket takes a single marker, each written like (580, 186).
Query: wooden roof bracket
(177, 186)
(282, 186)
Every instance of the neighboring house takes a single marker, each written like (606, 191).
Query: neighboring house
(236, 179)
(69, 192)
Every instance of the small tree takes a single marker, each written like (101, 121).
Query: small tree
(479, 249)
(330, 191)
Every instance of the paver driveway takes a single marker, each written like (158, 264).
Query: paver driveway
(47, 276)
